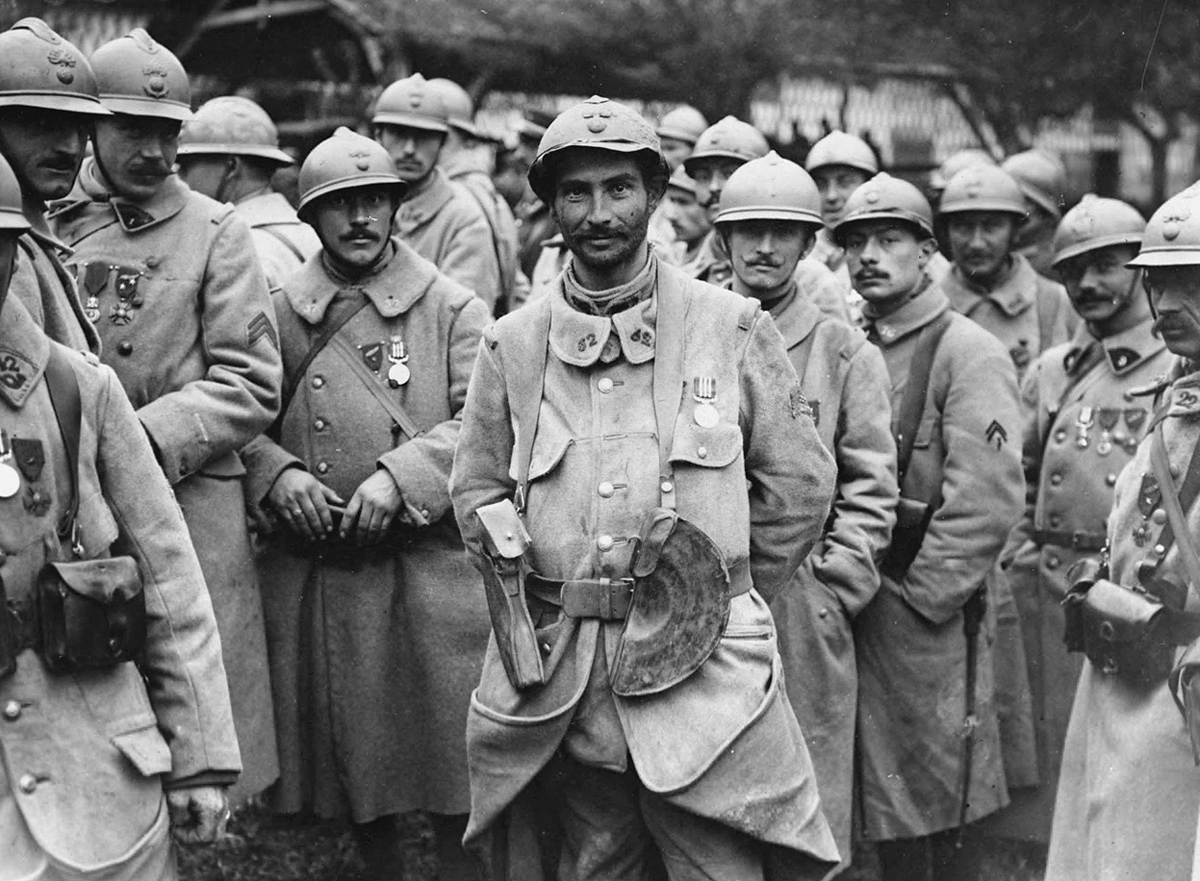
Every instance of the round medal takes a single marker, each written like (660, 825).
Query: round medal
(10, 481)
(706, 415)
(398, 375)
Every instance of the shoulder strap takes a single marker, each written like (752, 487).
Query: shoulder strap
(269, 229)
(1047, 309)
(912, 405)
(407, 424)
(1176, 529)
(525, 398)
(63, 387)
(340, 313)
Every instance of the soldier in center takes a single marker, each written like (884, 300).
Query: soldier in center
(637, 475)
(769, 218)
(929, 738)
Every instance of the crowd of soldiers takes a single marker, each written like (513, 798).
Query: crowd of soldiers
(637, 504)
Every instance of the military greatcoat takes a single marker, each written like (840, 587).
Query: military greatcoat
(373, 662)
(912, 652)
(84, 757)
(179, 299)
(282, 239)
(1129, 790)
(445, 225)
(503, 225)
(846, 383)
(723, 743)
(1083, 425)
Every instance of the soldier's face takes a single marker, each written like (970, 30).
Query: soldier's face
(354, 224)
(980, 242)
(686, 215)
(675, 151)
(1175, 295)
(414, 150)
(45, 149)
(1099, 283)
(710, 176)
(136, 153)
(764, 253)
(836, 183)
(602, 208)
(886, 260)
(204, 174)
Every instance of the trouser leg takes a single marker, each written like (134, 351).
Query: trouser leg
(699, 849)
(935, 857)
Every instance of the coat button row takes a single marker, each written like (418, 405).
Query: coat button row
(606, 490)
(319, 424)
(12, 711)
(322, 467)
(1110, 480)
(605, 385)
(125, 348)
(605, 542)
(318, 381)
(1159, 517)
(28, 783)
(1056, 478)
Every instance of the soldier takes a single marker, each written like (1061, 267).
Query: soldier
(174, 286)
(722, 149)
(928, 731)
(91, 740)
(48, 100)
(228, 151)
(1129, 792)
(961, 160)
(371, 694)
(1043, 180)
(660, 733)
(989, 282)
(678, 133)
(839, 163)
(688, 218)
(463, 163)
(1083, 427)
(769, 216)
(439, 219)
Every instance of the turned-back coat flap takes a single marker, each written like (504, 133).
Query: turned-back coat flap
(912, 651)
(373, 667)
(282, 239)
(48, 290)
(84, 755)
(701, 744)
(845, 381)
(1129, 792)
(501, 222)
(174, 287)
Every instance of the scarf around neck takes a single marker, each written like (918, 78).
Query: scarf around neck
(612, 300)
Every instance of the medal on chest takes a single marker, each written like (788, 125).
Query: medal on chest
(1108, 420)
(704, 393)
(1083, 425)
(10, 478)
(1148, 499)
(398, 373)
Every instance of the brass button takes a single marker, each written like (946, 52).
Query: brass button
(425, 513)
(1056, 478)
(12, 711)
(322, 467)
(606, 490)
(1060, 435)
(1110, 480)
(1159, 550)
(28, 783)
(1051, 561)
(1159, 516)
(1055, 520)
(319, 424)
(702, 452)
(318, 381)
(605, 385)
(605, 542)
(125, 348)
(666, 486)
(824, 613)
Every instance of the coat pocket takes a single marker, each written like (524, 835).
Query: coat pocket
(714, 447)
(145, 749)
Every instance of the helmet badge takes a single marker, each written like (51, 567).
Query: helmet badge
(1083, 224)
(872, 196)
(64, 61)
(156, 81)
(974, 187)
(597, 119)
(362, 159)
(1171, 223)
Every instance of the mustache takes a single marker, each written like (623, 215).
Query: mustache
(150, 169)
(1169, 321)
(61, 162)
(361, 233)
(768, 262)
(869, 274)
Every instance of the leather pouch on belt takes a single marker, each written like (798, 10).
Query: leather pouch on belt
(679, 610)
(506, 540)
(91, 613)
(912, 522)
(1125, 634)
(1185, 688)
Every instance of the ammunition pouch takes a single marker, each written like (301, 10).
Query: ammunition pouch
(1126, 632)
(912, 522)
(504, 575)
(91, 614)
(679, 608)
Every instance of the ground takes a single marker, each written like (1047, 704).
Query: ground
(265, 848)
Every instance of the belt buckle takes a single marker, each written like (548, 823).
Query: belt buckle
(618, 598)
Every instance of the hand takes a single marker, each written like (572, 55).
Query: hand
(198, 813)
(301, 502)
(372, 508)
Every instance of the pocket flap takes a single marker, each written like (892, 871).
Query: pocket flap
(504, 533)
(146, 749)
(1117, 613)
(105, 580)
(226, 466)
(713, 447)
(547, 453)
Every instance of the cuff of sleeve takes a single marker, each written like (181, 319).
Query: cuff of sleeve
(423, 485)
(267, 465)
(178, 438)
(204, 778)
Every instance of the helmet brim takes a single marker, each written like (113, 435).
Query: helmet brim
(690, 162)
(1167, 256)
(857, 166)
(11, 218)
(538, 170)
(677, 135)
(147, 107)
(259, 152)
(915, 221)
(770, 212)
(50, 100)
(466, 127)
(984, 205)
(352, 182)
(1042, 199)
(424, 123)
(1095, 245)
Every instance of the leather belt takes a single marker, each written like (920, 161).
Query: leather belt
(1078, 541)
(605, 598)
(21, 620)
